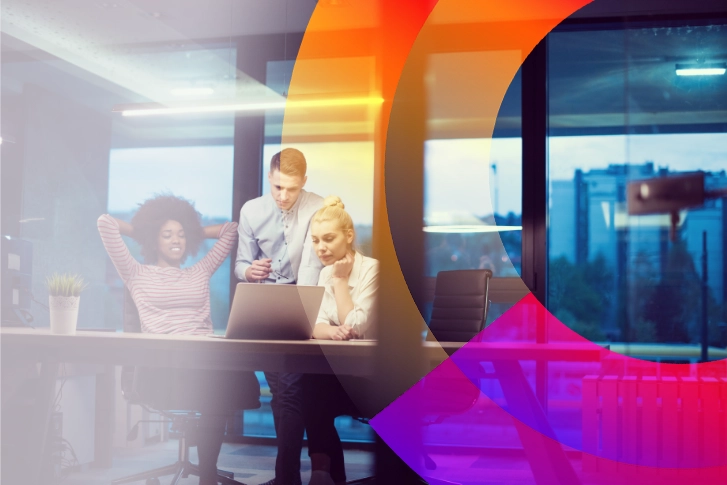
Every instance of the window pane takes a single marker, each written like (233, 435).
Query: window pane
(334, 168)
(71, 155)
(618, 113)
(338, 168)
(175, 170)
(473, 191)
(337, 165)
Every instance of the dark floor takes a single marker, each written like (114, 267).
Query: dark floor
(251, 464)
(254, 464)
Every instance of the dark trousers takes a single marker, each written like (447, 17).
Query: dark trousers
(210, 433)
(324, 399)
(287, 405)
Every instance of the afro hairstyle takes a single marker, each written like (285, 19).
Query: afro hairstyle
(155, 212)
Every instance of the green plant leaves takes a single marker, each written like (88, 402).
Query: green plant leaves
(65, 284)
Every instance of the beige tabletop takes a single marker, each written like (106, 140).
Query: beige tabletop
(353, 357)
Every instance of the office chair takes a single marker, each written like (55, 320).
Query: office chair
(461, 303)
(459, 314)
(183, 422)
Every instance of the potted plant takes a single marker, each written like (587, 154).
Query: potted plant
(64, 292)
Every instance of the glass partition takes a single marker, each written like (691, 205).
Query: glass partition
(620, 110)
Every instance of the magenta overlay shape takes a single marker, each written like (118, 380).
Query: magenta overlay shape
(610, 418)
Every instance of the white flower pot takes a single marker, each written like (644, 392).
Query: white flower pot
(63, 314)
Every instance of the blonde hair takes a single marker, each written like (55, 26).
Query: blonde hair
(334, 210)
(290, 162)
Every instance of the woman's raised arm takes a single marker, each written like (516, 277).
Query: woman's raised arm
(125, 228)
(212, 232)
(111, 230)
(227, 235)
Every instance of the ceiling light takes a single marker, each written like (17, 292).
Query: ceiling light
(217, 108)
(701, 69)
(471, 228)
(159, 109)
(192, 91)
(5, 138)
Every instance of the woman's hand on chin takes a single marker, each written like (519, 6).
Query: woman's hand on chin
(342, 268)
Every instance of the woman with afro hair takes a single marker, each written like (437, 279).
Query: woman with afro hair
(176, 300)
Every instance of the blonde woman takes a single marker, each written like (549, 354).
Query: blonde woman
(347, 312)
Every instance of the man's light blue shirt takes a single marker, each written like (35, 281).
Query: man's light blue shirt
(266, 231)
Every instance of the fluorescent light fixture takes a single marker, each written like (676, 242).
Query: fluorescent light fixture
(470, 228)
(157, 109)
(192, 91)
(705, 69)
(217, 108)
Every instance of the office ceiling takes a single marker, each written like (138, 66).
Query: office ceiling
(126, 22)
(628, 77)
(604, 81)
(152, 46)
(103, 53)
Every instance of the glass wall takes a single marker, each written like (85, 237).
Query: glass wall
(620, 111)
(81, 139)
(344, 169)
(107, 106)
(334, 168)
(174, 170)
(473, 186)
(487, 236)
(339, 149)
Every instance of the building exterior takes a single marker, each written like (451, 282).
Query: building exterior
(589, 220)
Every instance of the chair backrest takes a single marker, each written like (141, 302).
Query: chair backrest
(461, 301)
(132, 322)
(459, 313)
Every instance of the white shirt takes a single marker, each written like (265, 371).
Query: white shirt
(363, 283)
(266, 231)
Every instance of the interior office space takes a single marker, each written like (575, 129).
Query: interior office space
(598, 104)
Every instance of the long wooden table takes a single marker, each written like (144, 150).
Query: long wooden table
(310, 356)
(302, 356)
(183, 351)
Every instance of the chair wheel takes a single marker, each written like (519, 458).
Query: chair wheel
(152, 481)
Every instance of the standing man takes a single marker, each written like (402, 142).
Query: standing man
(275, 247)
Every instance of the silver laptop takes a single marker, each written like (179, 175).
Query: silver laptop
(274, 312)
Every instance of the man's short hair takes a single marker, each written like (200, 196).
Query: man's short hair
(290, 162)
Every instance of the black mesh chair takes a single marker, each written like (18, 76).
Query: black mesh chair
(461, 303)
(459, 314)
(138, 386)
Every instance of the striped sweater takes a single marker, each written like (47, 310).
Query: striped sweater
(170, 300)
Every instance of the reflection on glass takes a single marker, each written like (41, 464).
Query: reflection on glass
(337, 142)
(472, 185)
(87, 160)
(619, 112)
(473, 211)
(334, 168)
(345, 169)
(175, 170)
